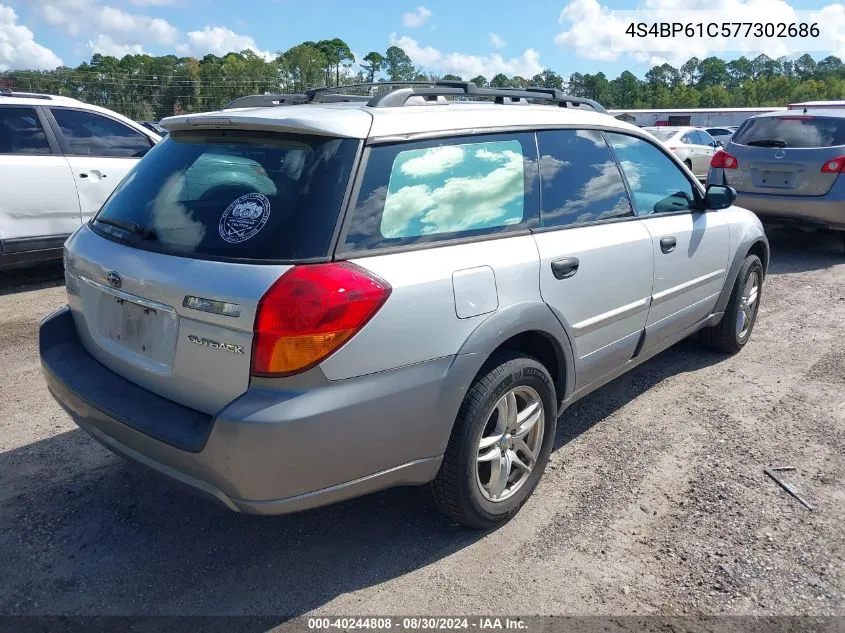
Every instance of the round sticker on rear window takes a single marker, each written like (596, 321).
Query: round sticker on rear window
(244, 218)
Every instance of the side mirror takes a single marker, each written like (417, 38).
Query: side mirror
(719, 197)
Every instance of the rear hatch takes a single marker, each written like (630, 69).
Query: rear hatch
(165, 282)
(786, 155)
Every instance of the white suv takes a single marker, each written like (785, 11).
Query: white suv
(59, 160)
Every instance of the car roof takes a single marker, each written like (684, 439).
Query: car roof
(677, 129)
(825, 112)
(24, 99)
(36, 100)
(359, 120)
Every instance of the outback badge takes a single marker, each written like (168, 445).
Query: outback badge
(212, 344)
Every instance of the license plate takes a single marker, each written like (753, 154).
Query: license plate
(780, 179)
(128, 324)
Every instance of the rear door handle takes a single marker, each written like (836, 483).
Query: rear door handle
(565, 267)
(668, 243)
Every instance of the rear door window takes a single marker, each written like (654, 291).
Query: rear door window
(580, 180)
(21, 132)
(234, 195)
(792, 131)
(445, 189)
(90, 134)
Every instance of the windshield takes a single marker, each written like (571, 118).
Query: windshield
(791, 131)
(662, 134)
(234, 194)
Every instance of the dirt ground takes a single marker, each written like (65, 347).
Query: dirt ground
(655, 500)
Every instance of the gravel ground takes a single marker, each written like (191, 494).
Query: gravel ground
(655, 500)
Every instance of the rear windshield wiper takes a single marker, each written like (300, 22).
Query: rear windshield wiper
(131, 227)
(767, 142)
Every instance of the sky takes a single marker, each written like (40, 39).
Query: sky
(465, 37)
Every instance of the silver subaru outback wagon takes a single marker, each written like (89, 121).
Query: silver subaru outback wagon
(302, 299)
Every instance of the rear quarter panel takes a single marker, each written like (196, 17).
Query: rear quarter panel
(420, 320)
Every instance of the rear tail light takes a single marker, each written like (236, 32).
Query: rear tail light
(834, 165)
(310, 312)
(723, 160)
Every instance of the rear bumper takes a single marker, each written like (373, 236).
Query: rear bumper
(270, 451)
(826, 212)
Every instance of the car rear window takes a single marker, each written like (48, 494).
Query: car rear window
(663, 135)
(234, 195)
(792, 131)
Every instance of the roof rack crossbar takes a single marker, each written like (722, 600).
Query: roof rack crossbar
(265, 101)
(399, 92)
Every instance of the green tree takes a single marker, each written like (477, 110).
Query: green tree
(480, 81)
(398, 65)
(335, 52)
(500, 81)
(804, 67)
(306, 64)
(547, 79)
(449, 77)
(690, 71)
(712, 72)
(375, 62)
(626, 91)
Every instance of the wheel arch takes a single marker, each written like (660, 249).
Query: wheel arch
(531, 328)
(754, 243)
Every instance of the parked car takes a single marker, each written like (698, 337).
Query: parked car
(721, 134)
(59, 161)
(694, 146)
(787, 167)
(390, 301)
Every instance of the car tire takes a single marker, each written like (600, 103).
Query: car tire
(732, 333)
(466, 485)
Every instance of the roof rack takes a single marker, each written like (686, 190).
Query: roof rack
(430, 91)
(6, 92)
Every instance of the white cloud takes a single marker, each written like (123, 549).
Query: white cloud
(69, 15)
(458, 203)
(112, 31)
(126, 27)
(416, 18)
(18, 48)
(220, 40)
(468, 66)
(497, 41)
(155, 3)
(104, 45)
(595, 32)
(433, 161)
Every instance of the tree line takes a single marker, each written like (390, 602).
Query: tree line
(147, 87)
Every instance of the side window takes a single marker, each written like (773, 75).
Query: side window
(90, 134)
(580, 180)
(445, 189)
(689, 139)
(706, 139)
(21, 132)
(657, 184)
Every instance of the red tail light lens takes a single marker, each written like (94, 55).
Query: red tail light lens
(723, 160)
(834, 165)
(310, 312)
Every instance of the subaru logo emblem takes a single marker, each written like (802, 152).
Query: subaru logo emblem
(114, 279)
(780, 153)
